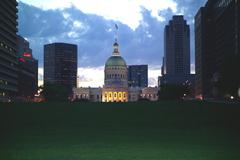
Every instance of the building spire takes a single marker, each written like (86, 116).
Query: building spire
(115, 45)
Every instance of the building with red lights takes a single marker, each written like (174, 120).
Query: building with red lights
(27, 71)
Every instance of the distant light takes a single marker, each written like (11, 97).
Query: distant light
(232, 97)
(199, 97)
(184, 95)
(238, 92)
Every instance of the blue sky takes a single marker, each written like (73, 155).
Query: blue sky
(90, 25)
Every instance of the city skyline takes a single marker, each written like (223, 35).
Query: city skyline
(140, 44)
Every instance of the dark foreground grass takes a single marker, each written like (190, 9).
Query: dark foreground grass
(130, 131)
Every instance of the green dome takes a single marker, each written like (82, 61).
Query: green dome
(115, 61)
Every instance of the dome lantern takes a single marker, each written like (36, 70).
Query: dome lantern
(116, 49)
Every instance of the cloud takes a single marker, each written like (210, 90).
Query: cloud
(193, 69)
(153, 73)
(93, 34)
(91, 76)
(40, 76)
(126, 11)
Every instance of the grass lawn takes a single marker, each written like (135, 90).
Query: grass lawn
(126, 131)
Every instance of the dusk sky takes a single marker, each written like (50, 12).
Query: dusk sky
(90, 25)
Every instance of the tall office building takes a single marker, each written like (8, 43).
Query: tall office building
(176, 60)
(138, 75)
(217, 33)
(27, 70)
(8, 51)
(177, 47)
(60, 64)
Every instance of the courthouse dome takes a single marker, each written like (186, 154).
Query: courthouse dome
(115, 61)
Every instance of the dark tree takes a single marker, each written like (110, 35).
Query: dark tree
(55, 92)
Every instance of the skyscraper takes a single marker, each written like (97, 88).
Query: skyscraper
(138, 75)
(217, 32)
(8, 51)
(27, 70)
(176, 60)
(60, 64)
